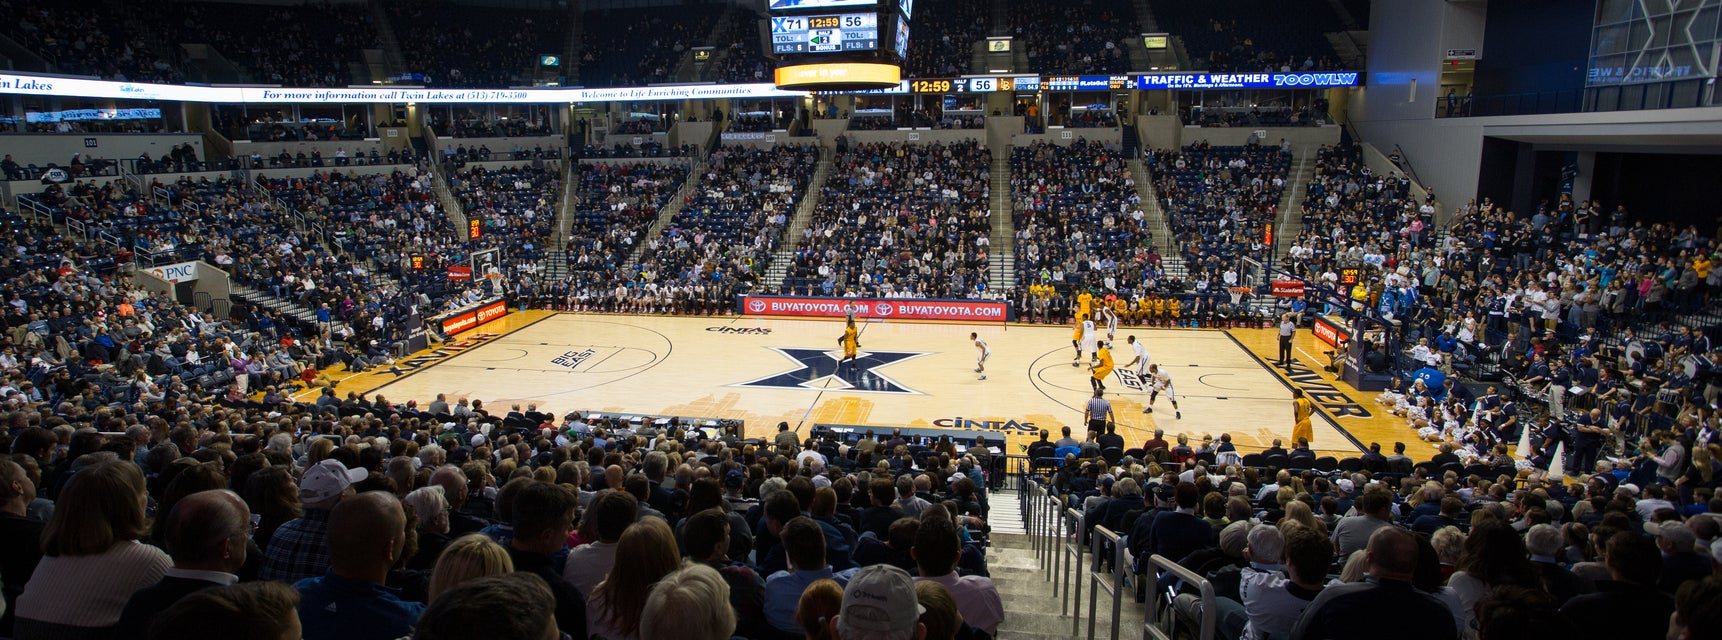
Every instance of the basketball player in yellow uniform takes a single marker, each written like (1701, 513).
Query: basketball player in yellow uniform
(1076, 338)
(1159, 312)
(1121, 308)
(851, 342)
(1084, 306)
(1302, 409)
(1173, 308)
(1101, 368)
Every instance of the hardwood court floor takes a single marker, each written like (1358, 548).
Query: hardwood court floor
(912, 374)
(1375, 425)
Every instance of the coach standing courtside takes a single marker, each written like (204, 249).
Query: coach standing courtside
(1287, 329)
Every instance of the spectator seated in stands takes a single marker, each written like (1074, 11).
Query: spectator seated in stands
(722, 239)
(1057, 42)
(1255, 35)
(942, 43)
(641, 46)
(618, 203)
(492, 46)
(295, 46)
(899, 221)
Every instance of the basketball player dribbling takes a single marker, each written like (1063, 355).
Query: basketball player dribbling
(1139, 363)
(1101, 368)
(1081, 336)
(981, 359)
(851, 342)
(1161, 381)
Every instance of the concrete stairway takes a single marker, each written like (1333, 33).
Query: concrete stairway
(1171, 258)
(1145, 17)
(1345, 16)
(781, 258)
(1032, 595)
(665, 214)
(553, 267)
(1001, 254)
(393, 61)
(1348, 48)
(1290, 221)
(265, 300)
(1001, 17)
(565, 205)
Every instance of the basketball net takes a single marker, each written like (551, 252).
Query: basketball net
(1237, 294)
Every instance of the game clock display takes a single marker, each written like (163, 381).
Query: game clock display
(825, 34)
(974, 85)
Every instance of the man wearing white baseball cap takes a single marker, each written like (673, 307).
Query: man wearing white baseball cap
(879, 604)
(299, 549)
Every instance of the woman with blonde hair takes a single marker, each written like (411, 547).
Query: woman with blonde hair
(1299, 513)
(468, 558)
(614, 608)
(692, 603)
(318, 451)
(92, 561)
(939, 614)
(1706, 468)
(819, 604)
(1356, 567)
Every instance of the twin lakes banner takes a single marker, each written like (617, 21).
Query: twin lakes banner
(68, 87)
(876, 308)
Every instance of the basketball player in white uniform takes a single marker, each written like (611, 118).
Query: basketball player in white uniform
(1161, 381)
(1138, 364)
(1111, 325)
(849, 309)
(981, 359)
(1089, 337)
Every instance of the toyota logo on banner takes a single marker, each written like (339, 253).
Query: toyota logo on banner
(882, 309)
(756, 306)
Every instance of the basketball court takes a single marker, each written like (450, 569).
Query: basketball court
(765, 371)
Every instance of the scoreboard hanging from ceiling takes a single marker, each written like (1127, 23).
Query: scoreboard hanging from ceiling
(839, 44)
(826, 33)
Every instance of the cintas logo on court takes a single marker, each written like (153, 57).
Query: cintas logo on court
(757, 331)
(960, 422)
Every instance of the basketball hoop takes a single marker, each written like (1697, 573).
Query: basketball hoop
(1237, 293)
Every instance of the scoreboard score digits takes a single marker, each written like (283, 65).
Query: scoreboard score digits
(825, 34)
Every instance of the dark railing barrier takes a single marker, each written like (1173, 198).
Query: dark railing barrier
(1106, 545)
(1073, 552)
(1162, 627)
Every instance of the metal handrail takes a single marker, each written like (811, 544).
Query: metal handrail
(1073, 563)
(1151, 624)
(1101, 578)
(1059, 534)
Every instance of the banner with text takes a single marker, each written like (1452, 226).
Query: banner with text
(874, 308)
(1288, 288)
(18, 84)
(1246, 80)
(472, 318)
(1330, 330)
(175, 273)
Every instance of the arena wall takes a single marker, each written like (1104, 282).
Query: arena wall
(42, 148)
